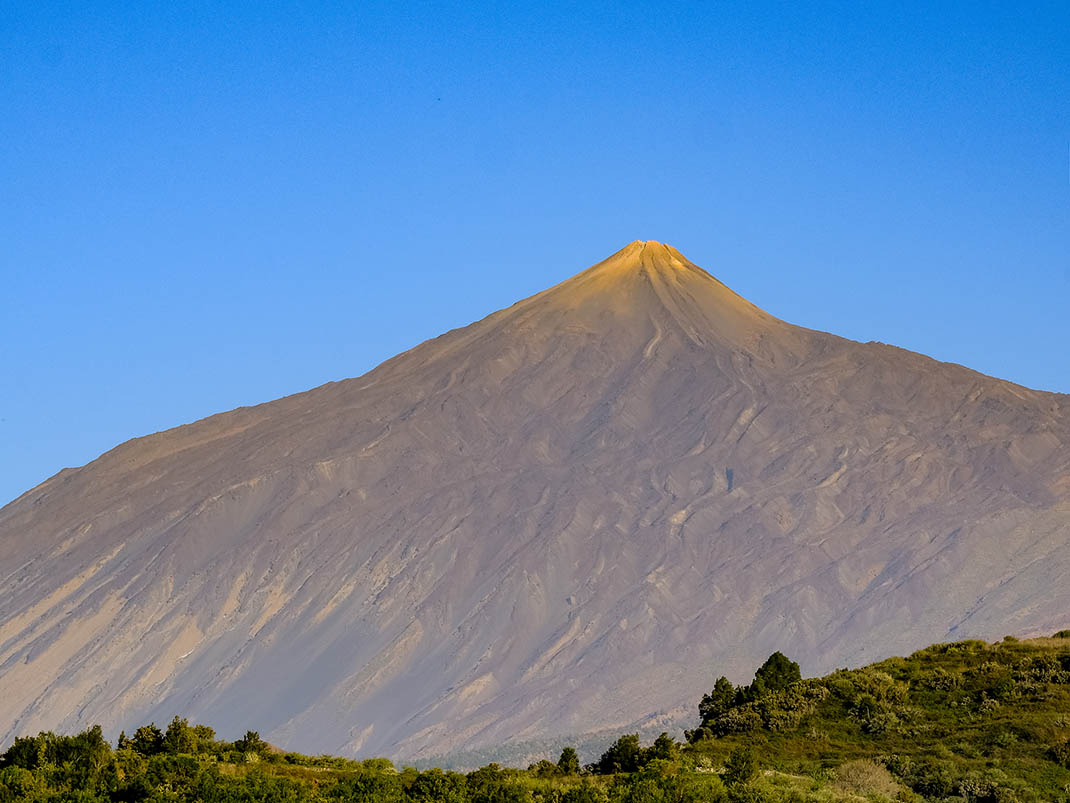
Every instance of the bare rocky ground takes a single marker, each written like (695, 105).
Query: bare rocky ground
(561, 519)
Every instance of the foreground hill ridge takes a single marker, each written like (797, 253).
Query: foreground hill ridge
(958, 721)
(538, 525)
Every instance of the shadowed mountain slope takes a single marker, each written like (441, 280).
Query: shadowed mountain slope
(560, 519)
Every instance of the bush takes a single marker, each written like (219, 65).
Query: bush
(1060, 754)
(738, 720)
(865, 777)
(740, 767)
(940, 679)
(933, 779)
(873, 715)
(436, 786)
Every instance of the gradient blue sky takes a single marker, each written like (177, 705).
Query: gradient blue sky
(206, 205)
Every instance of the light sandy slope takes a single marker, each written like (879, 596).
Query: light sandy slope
(562, 518)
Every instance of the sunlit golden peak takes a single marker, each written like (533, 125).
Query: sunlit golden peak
(650, 254)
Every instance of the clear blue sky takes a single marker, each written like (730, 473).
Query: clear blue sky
(206, 205)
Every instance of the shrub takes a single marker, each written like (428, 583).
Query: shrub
(865, 777)
(738, 720)
(1060, 754)
(740, 767)
(436, 786)
(932, 779)
(544, 769)
(939, 679)
(873, 715)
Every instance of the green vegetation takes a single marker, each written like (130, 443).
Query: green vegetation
(969, 721)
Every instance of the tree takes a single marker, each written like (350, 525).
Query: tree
(252, 743)
(663, 749)
(622, 756)
(778, 672)
(718, 701)
(148, 740)
(180, 737)
(90, 752)
(569, 763)
(27, 752)
(205, 736)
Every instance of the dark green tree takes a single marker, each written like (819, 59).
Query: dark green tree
(778, 672)
(622, 756)
(663, 749)
(27, 752)
(718, 701)
(252, 743)
(148, 740)
(569, 763)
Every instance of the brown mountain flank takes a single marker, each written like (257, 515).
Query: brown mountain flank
(562, 518)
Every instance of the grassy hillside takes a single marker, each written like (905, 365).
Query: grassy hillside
(967, 721)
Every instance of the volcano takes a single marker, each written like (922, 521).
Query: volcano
(566, 517)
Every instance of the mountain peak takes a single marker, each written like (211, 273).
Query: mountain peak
(649, 254)
(639, 259)
(650, 281)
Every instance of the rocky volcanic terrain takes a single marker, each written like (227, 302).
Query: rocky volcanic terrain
(565, 517)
